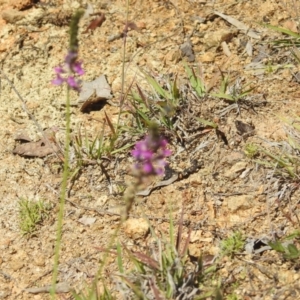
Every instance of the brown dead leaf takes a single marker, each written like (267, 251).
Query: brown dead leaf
(97, 22)
(131, 26)
(41, 148)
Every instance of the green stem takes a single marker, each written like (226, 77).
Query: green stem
(62, 196)
(123, 71)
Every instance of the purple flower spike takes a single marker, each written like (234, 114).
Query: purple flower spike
(77, 68)
(150, 155)
(58, 80)
(59, 70)
(71, 58)
(72, 67)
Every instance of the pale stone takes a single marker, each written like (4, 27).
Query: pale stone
(40, 260)
(12, 15)
(136, 228)
(16, 265)
(207, 57)
(214, 38)
(195, 236)
(236, 169)
(240, 202)
(194, 250)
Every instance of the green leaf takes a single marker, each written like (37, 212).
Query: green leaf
(293, 235)
(196, 82)
(119, 258)
(223, 96)
(175, 90)
(157, 87)
(283, 30)
(207, 123)
(294, 252)
(277, 246)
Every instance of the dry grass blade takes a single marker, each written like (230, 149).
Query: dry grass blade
(147, 260)
(111, 126)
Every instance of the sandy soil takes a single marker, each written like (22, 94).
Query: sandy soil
(229, 192)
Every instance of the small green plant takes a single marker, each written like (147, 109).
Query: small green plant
(32, 214)
(269, 68)
(210, 125)
(92, 293)
(288, 249)
(284, 163)
(251, 150)
(233, 244)
(207, 123)
(293, 38)
(165, 272)
(233, 93)
(161, 107)
(232, 297)
(196, 82)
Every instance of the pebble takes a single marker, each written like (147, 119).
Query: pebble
(12, 15)
(136, 228)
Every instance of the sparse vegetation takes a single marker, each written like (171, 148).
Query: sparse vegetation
(32, 213)
(233, 244)
(289, 246)
(165, 134)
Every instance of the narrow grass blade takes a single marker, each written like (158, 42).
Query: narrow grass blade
(283, 30)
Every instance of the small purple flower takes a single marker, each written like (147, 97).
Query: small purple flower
(150, 155)
(77, 68)
(72, 67)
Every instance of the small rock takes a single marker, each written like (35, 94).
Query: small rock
(232, 157)
(40, 261)
(22, 4)
(236, 169)
(35, 16)
(16, 265)
(207, 57)
(240, 202)
(136, 228)
(87, 220)
(173, 56)
(194, 250)
(291, 25)
(4, 293)
(12, 15)
(141, 25)
(102, 200)
(195, 236)
(187, 51)
(75, 4)
(214, 38)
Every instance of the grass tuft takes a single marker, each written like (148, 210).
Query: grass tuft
(32, 214)
(165, 270)
(233, 244)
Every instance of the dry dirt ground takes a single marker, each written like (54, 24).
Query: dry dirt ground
(228, 193)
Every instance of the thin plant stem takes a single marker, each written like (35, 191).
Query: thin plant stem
(62, 196)
(115, 234)
(122, 99)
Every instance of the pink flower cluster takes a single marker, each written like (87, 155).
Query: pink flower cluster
(72, 67)
(151, 154)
